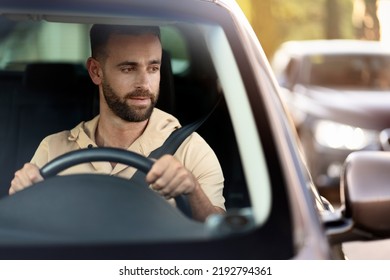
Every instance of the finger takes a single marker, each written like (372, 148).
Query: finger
(158, 169)
(25, 177)
(35, 176)
(181, 182)
(16, 186)
(22, 179)
(170, 177)
(31, 173)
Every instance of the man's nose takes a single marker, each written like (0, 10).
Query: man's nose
(142, 80)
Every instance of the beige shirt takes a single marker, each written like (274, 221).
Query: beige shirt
(195, 154)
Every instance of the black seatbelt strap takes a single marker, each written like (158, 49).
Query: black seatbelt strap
(177, 137)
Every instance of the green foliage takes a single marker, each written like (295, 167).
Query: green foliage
(276, 21)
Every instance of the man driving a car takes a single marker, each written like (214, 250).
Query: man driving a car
(125, 65)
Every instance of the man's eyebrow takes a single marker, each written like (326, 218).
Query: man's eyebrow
(155, 61)
(133, 63)
(128, 63)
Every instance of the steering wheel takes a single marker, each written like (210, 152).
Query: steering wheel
(133, 159)
(85, 209)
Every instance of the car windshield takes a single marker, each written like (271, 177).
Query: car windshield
(31, 52)
(350, 71)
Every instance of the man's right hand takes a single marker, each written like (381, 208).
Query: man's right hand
(25, 177)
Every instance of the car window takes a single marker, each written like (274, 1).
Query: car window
(291, 74)
(68, 42)
(208, 77)
(46, 42)
(176, 45)
(202, 68)
(355, 71)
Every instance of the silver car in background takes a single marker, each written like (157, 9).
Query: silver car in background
(338, 93)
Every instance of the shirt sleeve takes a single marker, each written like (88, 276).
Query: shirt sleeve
(41, 155)
(53, 146)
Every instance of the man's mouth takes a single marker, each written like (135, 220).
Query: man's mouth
(139, 100)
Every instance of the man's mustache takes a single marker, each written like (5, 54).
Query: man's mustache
(139, 93)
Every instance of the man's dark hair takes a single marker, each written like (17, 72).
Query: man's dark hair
(100, 33)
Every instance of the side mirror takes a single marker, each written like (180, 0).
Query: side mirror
(365, 192)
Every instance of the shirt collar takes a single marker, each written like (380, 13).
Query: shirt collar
(84, 133)
(159, 127)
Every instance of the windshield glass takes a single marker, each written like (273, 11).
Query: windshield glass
(46, 42)
(352, 71)
(200, 75)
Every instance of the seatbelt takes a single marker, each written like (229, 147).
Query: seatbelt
(176, 138)
(171, 144)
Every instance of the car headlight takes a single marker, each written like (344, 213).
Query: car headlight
(341, 136)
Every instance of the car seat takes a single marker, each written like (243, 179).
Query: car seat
(52, 97)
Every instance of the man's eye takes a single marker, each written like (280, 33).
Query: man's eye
(127, 69)
(155, 68)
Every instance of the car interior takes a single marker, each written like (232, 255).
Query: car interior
(212, 66)
(39, 97)
(48, 97)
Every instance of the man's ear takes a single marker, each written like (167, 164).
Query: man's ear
(94, 70)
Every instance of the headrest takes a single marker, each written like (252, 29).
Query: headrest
(166, 99)
(50, 76)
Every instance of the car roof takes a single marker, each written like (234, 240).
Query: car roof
(339, 46)
(47, 8)
(156, 12)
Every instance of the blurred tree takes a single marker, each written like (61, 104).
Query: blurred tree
(265, 25)
(332, 19)
(276, 21)
(365, 19)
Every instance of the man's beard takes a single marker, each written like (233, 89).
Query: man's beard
(129, 113)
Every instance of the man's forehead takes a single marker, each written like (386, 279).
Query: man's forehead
(144, 41)
(134, 48)
(134, 37)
